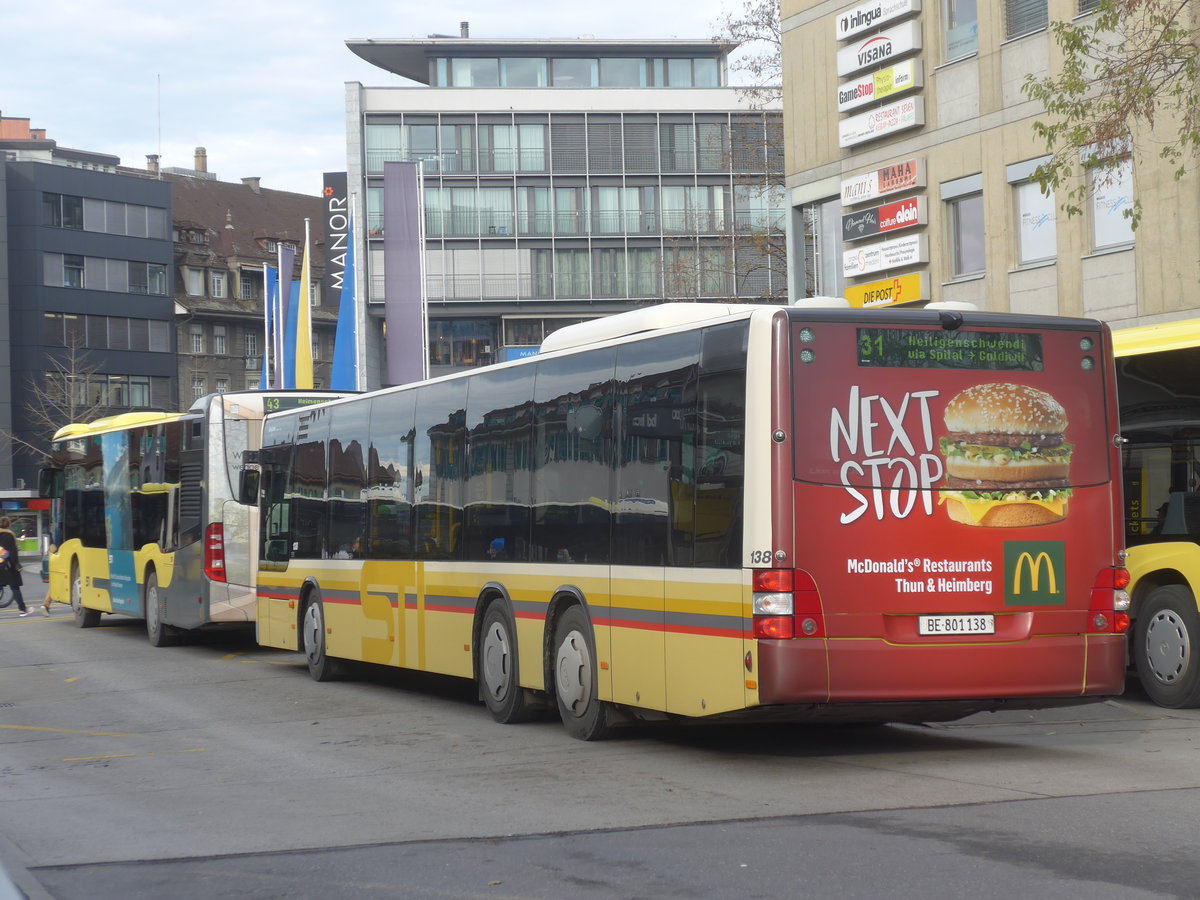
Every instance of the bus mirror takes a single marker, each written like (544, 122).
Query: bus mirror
(248, 489)
(50, 484)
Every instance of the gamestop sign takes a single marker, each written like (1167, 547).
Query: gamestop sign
(866, 16)
(904, 76)
(879, 49)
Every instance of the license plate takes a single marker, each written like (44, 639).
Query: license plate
(978, 624)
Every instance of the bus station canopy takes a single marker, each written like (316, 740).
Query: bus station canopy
(1156, 338)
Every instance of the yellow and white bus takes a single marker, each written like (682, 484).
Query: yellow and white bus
(701, 511)
(146, 521)
(1158, 382)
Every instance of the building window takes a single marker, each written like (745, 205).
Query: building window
(964, 213)
(160, 336)
(247, 288)
(253, 382)
(1023, 17)
(157, 279)
(219, 340)
(198, 382)
(1086, 6)
(251, 343)
(1111, 196)
(1035, 212)
(962, 29)
(221, 385)
(72, 271)
(216, 279)
(62, 211)
(1036, 230)
(193, 282)
(197, 338)
(139, 390)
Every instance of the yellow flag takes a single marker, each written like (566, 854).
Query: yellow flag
(304, 356)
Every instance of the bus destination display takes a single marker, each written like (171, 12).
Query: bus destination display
(913, 348)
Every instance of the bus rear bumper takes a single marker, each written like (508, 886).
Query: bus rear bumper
(866, 670)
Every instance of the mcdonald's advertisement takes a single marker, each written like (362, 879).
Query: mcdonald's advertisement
(962, 472)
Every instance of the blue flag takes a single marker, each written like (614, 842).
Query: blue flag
(344, 376)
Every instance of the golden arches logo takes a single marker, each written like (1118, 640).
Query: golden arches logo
(1034, 564)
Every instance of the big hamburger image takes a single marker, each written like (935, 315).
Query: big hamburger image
(1006, 460)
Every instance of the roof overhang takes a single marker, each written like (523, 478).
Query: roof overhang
(410, 59)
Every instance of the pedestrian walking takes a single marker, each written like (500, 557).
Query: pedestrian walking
(10, 565)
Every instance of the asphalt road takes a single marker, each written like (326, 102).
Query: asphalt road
(219, 769)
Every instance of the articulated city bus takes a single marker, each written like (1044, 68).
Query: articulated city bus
(1158, 382)
(146, 521)
(701, 511)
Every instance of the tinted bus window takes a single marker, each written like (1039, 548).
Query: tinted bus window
(655, 430)
(307, 485)
(83, 504)
(499, 432)
(390, 476)
(716, 530)
(279, 438)
(572, 490)
(348, 431)
(440, 469)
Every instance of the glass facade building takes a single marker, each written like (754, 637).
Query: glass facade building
(564, 180)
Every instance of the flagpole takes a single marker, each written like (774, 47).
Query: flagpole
(277, 338)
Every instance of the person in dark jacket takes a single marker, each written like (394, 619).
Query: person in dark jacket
(10, 564)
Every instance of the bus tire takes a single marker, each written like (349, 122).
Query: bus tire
(583, 714)
(160, 634)
(499, 672)
(84, 617)
(1166, 647)
(320, 666)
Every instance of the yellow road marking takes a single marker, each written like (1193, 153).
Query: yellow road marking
(130, 755)
(65, 731)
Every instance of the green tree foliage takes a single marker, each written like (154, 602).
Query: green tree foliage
(1128, 81)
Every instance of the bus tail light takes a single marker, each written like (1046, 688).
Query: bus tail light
(1109, 609)
(214, 552)
(786, 605)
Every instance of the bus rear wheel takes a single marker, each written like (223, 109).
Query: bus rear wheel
(84, 617)
(1166, 647)
(499, 672)
(583, 714)
(159, 633)
(320, 666)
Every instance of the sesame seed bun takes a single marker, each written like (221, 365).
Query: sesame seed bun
(1005, 408)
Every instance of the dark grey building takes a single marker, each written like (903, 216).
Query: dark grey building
(85, 293)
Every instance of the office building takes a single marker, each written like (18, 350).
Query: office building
(911, 153)
(562, 180)
(85, 274)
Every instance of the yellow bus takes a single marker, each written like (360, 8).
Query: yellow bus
(1158, 381)
(146, 521)
(699, 511)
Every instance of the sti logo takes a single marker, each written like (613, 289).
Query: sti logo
(1034, 573)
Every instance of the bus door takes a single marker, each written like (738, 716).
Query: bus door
(118, 523)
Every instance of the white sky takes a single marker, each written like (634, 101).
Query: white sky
(260, 86)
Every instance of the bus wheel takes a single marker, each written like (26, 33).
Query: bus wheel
(160, 635)
(583, 715)
(84, 617)
(320, 666)
(499, 675)
(1166, 647)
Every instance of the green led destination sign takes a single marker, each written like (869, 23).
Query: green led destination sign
(916, 348)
